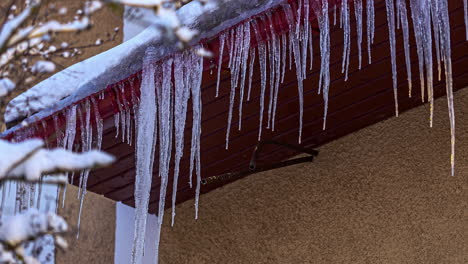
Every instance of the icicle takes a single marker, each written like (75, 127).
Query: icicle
(283, 56)
(305, 37)
(404, 25)
(145, 140)
(83, 146)
(444, 22)
(99, 123)
(358, 14)
(419, 45)
(182, 68)
(311, 49)
(272, 60)
(251, 69)
(263, 75)
(421, 11)
(427, 44)
(465, 9)
(196, 129)
(297, 57)
(2, 206)
(334, 15)
(245, 56)
(390, 7)
(324, 25)
(117, 124)
(234, 66)
(122, 110)
(86, 147)
(370, 26)
(70, 133)
(277, 80)
(346, 38)
(436, 25)
(222, 39)
(165, 111)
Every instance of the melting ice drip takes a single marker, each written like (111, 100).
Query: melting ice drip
(163, 105)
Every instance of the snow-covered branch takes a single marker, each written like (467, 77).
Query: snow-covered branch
(28, 161)
(17, 230)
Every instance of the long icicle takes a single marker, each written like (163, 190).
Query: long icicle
(197, 119)
(358, 14)
(165, 111)
(414, 4)
(370, 26)
(145, 140)
(243, 70)
(390, 7)
(294, 38)
(263, 75)
(222, 40)
(346, 38)
(236, 49)
(404, 26)
(444, 21)
(182, 67)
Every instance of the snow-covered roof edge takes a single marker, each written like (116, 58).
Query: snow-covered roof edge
(96, 73)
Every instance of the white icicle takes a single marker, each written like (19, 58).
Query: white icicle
(358, 14)
(70, 133)
(197, 119)
(304, 35)
(334, 15)
(263, 75)
(370, 26)
(145, 140)
(321, 12)
(251, 69)
(243, 67)
(86, 147)
(272, 53)
(182, 68)
(465, 11)
(234, 65)
(277, 80)
(117, 124)
(297, 57)
(390, 7)
(419, 45)
(283, 56)
(444, 22)
(222, 39)
(437, 29)
(404, 26)
(165, 110)
(427, 44)
(311, 48)
(346, 38)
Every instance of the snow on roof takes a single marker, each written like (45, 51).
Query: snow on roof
(96, 73)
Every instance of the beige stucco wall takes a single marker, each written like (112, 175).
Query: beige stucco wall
(381, 195)
(97, 229)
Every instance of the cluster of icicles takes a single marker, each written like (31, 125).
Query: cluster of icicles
(29, 195)
(167, 85)
(168, 101)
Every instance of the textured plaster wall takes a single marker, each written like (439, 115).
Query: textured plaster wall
(97, 229)
(381, 195)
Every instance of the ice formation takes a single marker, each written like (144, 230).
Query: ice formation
(162, 108)
(169, 84)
